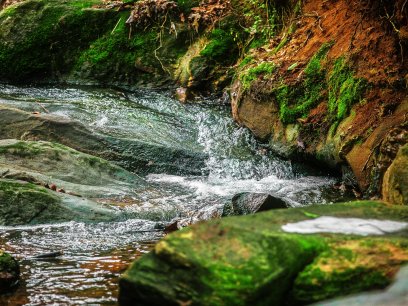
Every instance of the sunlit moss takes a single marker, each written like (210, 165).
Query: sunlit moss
(344, 89)
(296, 101)
(251, 74)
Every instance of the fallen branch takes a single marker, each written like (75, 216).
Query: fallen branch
(46, 110)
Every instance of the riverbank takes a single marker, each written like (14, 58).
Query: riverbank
(322, 83)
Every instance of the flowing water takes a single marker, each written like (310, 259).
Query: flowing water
(96, 253)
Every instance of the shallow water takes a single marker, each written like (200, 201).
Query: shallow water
(95, 254)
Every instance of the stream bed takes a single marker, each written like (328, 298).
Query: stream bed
(94, 254)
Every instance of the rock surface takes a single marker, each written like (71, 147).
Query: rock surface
(395, 183)
(46, 163)
(9, 272)
(133, 155)
(249, 203)
(395, 295)
(25, 203)
(250, 260)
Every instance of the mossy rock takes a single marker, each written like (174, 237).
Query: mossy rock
(136, 57)
(51, 162)
(42, 38)
(26, 203)
(191, 267)
(9, 272)
(132, 155)
(395, 182)
(74, 41)
(348, 267)
(251, 260)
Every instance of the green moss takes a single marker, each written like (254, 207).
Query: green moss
(344, 89)
(42, 37)
(349, 266)
(116, 47)
(9, 271)
(246, 61)
(221, 46)
(253, 73)
(296, 101)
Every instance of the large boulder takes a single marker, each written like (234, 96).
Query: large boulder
(26, 203)
(9, 272)
(47, 163)
(133, 155)
(395, 183)
(262, 259)
(249, 203)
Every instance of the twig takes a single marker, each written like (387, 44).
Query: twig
(46, 110)
(318, 19)
(116, 25)
(161, 45)
(355, 31)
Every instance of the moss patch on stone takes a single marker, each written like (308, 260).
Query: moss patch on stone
(296, 101)
(9, 271)
(22, 203)
(350, 266)
(344, 90)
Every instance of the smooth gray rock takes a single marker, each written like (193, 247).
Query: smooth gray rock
(133, 155)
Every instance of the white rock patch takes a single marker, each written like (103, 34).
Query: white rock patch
(354, 226)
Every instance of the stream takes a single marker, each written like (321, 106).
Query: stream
(94, 254)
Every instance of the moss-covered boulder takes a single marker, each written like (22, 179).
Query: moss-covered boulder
(9, 272)
(254, 259)
(26, 203)
(41, 38)
(49, 163)
(395, 183)
(395, 295)
(133, 155)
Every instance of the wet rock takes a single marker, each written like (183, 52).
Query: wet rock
(395, 183)
(249, 203)
(25, 203)
(182, 94)
(9, 272)
(395, 295)
(50, 255)
(60, 168)
(132, 155)
(249, 260)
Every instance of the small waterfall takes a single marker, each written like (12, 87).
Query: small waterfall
(95, 253)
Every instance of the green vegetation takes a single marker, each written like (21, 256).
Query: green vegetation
(253, 73)
(296, 101)
(344, 89)
(116, 49)
(47, 39)
(221, 46)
